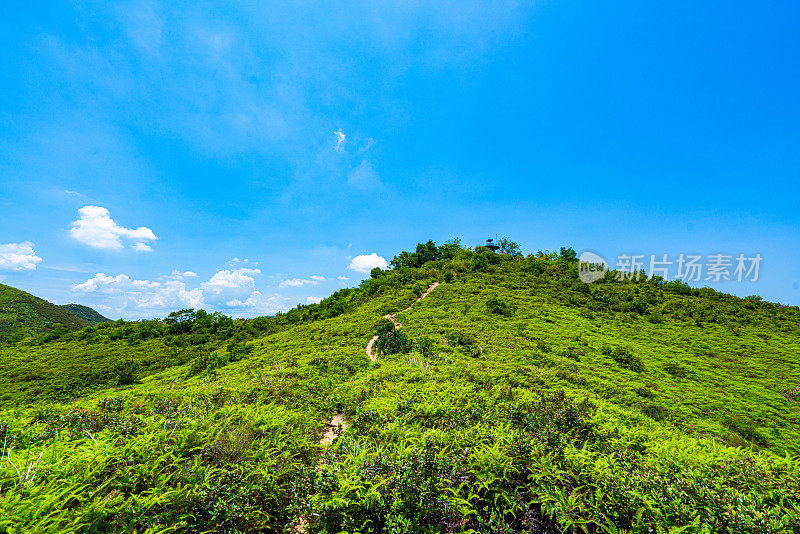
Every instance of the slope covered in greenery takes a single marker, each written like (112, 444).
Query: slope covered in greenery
(85, 312)
(514, 399)
(22, 314)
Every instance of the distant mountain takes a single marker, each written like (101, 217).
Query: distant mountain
(22, 312)
(85, 312)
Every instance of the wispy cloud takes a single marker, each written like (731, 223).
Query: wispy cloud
(341, 138)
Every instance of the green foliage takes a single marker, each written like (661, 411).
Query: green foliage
(22, 314)
(509, 247)
(85, 312)
(426, 252)
(499, 307)
(125, 372)
(624, 357)
(485, 422)
(390, 339)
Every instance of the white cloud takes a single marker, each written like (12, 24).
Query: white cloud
(366, 262)
(185, 274)
(230, 284)
(231, 291)
(313, 300)
(18, 257)
(299, 282)
(364, 176)
(342, 278)
(317, 277)
(341, 138)
(96, 228)
(142, 294)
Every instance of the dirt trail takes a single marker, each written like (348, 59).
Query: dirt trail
(338, 419)
(333, 425)
(397, 324)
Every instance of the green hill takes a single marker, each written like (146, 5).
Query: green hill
(85, 312)
(513, 399)
(21, 313)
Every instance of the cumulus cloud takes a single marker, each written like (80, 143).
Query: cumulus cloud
(342, 278)
(317, 277)
(341, 138)
(313, 300)
(230, 284)
(143, 294)
(96, 228)
(228, 288)
(18, 257)
(366, 262)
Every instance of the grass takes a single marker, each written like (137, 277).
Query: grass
(524, 401)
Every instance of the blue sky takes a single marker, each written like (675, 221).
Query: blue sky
(143, 141)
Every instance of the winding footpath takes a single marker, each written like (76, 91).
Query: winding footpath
(337, 420)
(397, 324)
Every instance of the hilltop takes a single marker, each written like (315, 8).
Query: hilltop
(511, 398)
(21, 313)
(85, 312)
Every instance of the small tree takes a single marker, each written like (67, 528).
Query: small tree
(509, 247)
(568, 255)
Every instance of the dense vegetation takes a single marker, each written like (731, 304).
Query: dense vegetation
(514, 399)
(85, 312)
(22, 314)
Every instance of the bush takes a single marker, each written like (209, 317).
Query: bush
(390, 340)
(554, 420)
(125, 372)
(499, 307)
(623, 357)
(456, 338)
(677, 370)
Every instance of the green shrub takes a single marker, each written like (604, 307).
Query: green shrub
(126, 372)
(499, 307)
(677, 370)
(390, 340)
(624, 357)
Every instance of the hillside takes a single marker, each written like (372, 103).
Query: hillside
(21, 314)
(512, 398)
(85, 312)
